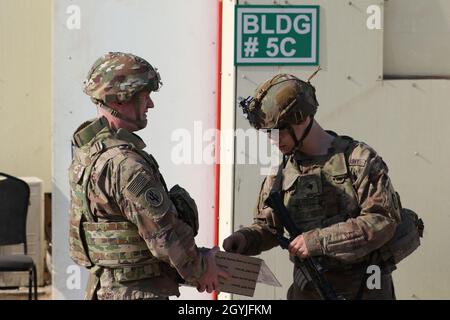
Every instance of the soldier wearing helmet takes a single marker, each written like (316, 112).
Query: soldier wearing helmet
(336, 189)
(134, 235)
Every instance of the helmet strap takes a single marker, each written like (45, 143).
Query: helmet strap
(117, 114)
(298, 143)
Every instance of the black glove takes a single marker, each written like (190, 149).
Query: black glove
(235, 243)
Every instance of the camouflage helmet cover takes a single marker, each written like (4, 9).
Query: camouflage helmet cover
(117, 76)
(280, 101)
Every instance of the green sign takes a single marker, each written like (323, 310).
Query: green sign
(273, 35)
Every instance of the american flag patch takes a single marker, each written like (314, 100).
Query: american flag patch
(137, 185)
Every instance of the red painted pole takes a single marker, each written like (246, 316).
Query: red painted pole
(218, 110)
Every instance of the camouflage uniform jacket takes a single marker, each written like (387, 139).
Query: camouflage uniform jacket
(138, 241)
(343, 202)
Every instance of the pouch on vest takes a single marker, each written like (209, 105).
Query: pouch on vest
(186, 207)
(406, 238)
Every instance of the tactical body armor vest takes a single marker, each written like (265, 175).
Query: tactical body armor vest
(98, 242)
(323, 194)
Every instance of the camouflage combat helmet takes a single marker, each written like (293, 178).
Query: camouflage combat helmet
(280, 102)
(117, 77)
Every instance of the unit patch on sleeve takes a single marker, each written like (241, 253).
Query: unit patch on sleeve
(154, 197)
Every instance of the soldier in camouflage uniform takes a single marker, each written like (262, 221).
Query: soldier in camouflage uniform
(125, 225)
(337, 191)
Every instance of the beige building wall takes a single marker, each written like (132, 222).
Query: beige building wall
(406, 121)
(25, 88)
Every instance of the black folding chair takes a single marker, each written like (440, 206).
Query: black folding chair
(14, 201)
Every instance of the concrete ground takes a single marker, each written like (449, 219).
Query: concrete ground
(44, 293)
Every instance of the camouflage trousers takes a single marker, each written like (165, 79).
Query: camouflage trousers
(346, 284)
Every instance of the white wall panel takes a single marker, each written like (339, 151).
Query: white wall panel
(416, 38)
(179, 38)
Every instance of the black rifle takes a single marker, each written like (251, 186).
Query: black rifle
(311, 269)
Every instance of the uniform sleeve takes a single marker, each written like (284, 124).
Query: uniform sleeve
(144, 200)
(374, 226)
(262, 234)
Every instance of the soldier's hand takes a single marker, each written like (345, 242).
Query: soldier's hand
(235, 243)
(297, 247)
(209, 281)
